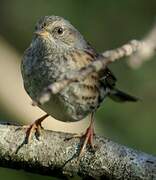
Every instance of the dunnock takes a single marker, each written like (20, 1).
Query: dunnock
(58, 47)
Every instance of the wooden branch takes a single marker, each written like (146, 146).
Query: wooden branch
(96, 66)
(54, 155)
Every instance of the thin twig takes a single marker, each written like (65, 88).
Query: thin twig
(96, 66)
(146, 52)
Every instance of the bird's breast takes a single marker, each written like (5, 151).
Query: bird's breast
(76, 100)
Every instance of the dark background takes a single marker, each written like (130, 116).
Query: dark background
(105, 24)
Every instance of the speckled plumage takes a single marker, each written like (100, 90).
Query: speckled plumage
(49, 56)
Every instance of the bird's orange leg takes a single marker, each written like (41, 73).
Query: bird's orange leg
(34, 127)
(89, 135)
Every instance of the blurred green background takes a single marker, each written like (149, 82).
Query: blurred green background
(105, 24)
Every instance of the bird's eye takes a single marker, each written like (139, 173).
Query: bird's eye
(59, 30)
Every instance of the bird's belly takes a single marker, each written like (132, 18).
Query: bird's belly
(71, 104)
(62, 110)
(57, 109)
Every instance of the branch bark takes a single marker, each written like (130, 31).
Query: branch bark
(54, 155)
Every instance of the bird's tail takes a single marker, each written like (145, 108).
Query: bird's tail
(119, 96)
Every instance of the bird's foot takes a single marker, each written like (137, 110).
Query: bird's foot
(35, 127)
(88, 138)
(32, 128)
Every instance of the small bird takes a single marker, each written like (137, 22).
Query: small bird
(57, 48)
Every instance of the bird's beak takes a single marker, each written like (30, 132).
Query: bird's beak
(42, 33)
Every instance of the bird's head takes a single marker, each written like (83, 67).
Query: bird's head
(58, 33)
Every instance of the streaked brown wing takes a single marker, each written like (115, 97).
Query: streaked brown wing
(106, 75)
(108, 78)
(82, 58)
